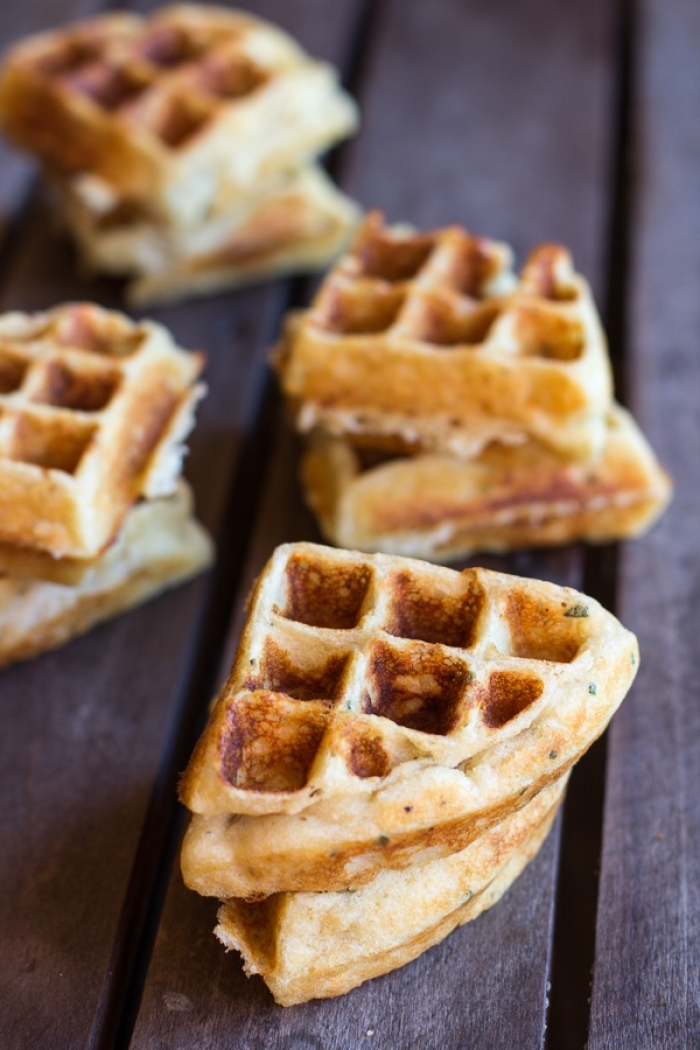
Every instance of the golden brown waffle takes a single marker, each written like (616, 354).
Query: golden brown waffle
(174, 110)
(302, 223)
(381, 710)
(430, 338)
(314, 945)
(159, 546)
(508, 497)
(93, 411)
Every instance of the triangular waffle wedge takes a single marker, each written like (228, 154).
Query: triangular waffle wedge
(381, 710)
(174, 109)
(159, 546)
(509, 497)
(315, 945)
(94, 409)
(301, 222)
(430, 338)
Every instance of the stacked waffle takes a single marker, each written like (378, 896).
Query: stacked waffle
(183, 145)
(94, 517)
(453, 406)
(395, 729)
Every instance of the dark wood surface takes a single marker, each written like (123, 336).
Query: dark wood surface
(646, 989)
(505, 117)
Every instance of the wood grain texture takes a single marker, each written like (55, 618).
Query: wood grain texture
(497, 116)
(646, 989)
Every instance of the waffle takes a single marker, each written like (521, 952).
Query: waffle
(93, 411)
(439, 507)
(314, 945)
(159, 546)
(175, 110)
(302, 222)
(430, 338)
(381, 710)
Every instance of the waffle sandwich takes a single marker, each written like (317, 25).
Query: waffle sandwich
(440, 507)
(93, 515)
(154, 128)
(382, 714)
(450, 406)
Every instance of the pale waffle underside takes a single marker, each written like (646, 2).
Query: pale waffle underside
(177, 109)
(380, 708)
(93, 411)
(315, 945)
(507, 498)
(159, 546)
(302, 222)
(430, 338)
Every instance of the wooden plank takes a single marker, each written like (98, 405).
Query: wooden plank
(467, 118)
(646, 987)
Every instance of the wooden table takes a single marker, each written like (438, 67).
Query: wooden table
(529, 121)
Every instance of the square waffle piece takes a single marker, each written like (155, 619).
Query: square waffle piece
(439, 507)
(174, 110)
(299, 224)
(159, 546)
(314, 945)
(431, 339)
(93, 411)
(382, 711)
